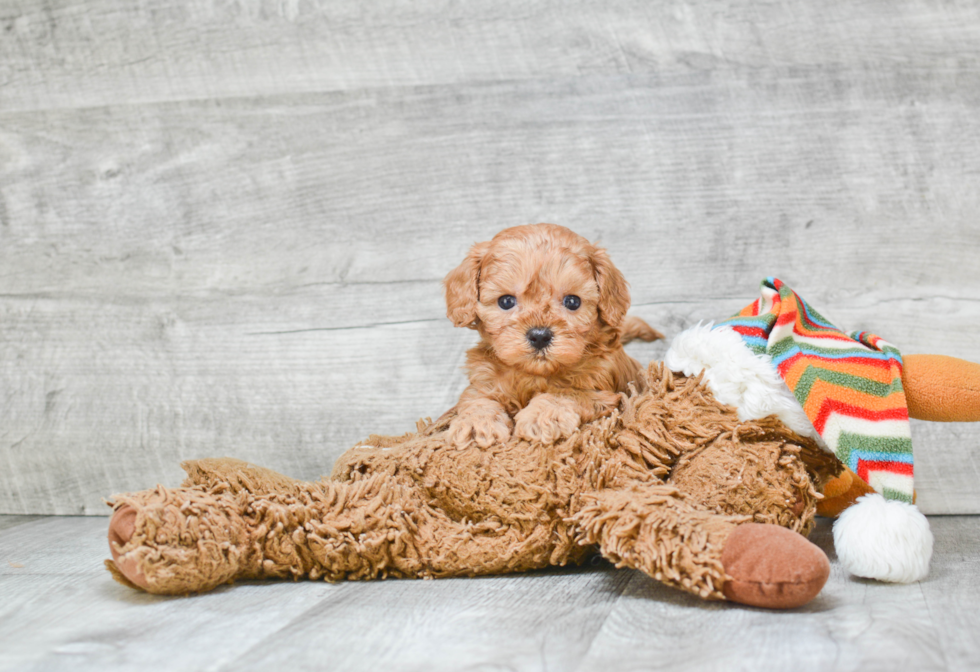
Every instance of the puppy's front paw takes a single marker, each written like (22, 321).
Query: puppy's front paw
(547, 418)
(483, 421)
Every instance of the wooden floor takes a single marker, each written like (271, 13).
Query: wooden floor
(60, 610)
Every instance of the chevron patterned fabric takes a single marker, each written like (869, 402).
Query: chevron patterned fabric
(849, 385)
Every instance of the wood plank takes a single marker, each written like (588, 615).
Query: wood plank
(149, 286)
(852, 624)
(109, 413)
(113, 397)
(699, 186)
(542, 620)
(948, 593)
(6, 522)
(947, 466)
(62, 611)
(70, 54)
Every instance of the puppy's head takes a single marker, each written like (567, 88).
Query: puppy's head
(544, 297)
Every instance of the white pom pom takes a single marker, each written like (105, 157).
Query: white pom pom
(884, 539)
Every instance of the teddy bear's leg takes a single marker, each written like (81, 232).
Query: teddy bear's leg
(379, 527)
(773, 567)
(236, 476)
(193, 539)
(177, 541)
(217, 517)
(652, 528)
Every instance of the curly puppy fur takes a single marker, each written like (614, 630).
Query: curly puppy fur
(550, 309)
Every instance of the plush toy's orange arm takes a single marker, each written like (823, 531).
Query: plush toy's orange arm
(937, 388)
(941, 389)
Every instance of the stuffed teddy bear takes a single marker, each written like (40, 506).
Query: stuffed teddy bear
(707, 480)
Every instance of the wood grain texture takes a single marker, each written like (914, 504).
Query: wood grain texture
(853, 624)
(224, 234)
(6, 522)
(70, 54)
(699, 185)
(60, 610)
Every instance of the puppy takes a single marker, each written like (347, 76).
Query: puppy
(550, 309)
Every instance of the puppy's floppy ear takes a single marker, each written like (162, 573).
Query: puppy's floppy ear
(614, 293)
(462, 287)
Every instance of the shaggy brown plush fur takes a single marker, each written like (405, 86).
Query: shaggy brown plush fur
(659, 484)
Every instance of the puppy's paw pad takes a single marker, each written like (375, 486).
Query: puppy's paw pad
(546, 419)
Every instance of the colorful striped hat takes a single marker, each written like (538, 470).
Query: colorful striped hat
(779, 356)
(849, 385)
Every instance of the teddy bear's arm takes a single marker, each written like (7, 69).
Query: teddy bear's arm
(941, 388)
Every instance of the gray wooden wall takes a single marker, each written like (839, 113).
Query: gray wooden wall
(223, 225)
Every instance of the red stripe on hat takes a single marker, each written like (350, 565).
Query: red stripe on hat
(827, 364)
(756, 332)
(831, 406)
(865, 466)
(788, 317)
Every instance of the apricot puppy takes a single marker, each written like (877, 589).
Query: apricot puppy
(550, 308)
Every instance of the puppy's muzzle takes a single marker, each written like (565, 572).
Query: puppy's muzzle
(539, 337)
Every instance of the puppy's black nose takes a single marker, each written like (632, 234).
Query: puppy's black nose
(539, 337)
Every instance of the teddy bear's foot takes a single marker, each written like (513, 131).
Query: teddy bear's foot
(122, 525)
(179, 541)
(770, 566)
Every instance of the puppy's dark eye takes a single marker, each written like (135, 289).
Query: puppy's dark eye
(506, 302)
(572, 302)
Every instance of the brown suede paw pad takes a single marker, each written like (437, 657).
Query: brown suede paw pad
(770, 566)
